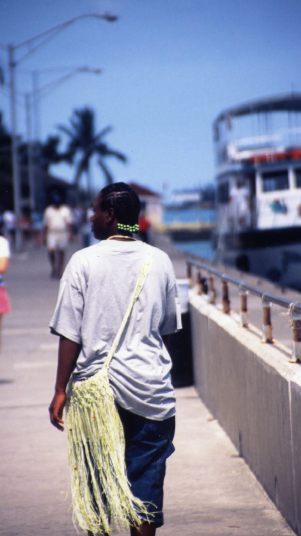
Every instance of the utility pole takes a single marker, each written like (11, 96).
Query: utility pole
(15, 146)
(31, 166)
(32, 45)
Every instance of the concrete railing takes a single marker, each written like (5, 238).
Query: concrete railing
(255, 393)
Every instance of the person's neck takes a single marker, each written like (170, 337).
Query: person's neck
(119, 236)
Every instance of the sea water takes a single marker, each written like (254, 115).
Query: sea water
(189, 215)
(202, 248)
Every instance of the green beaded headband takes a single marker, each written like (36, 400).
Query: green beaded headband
(127, 227)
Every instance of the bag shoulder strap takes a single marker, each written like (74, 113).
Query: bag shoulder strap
(143, 273)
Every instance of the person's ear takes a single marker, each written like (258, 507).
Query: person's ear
(109, 215)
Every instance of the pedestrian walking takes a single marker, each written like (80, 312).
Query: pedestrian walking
(9, 229)
(117, 303)
(37, 228)
(5, 305)
(57, 232)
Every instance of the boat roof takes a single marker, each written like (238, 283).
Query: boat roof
(290, 102)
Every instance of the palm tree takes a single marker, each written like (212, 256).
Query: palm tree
(49, 153)
(84, 144)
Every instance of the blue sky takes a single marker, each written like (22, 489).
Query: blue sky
(170, 66)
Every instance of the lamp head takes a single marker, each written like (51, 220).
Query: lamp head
(108, 17)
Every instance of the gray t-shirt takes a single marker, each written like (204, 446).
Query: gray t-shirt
(95, 290)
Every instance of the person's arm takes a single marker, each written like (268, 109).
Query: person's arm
(4, 255)
(70, 232)
(44, 233)
(45, 227)
(67, 357)
(4, 263)
(69, 223)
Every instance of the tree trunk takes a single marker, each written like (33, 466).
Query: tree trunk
(108, 177)
(89, 182)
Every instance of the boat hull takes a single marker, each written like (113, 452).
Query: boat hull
(271, 253)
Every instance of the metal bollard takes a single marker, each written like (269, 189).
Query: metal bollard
(212, 291)
(243, 294)
(296, 334)
(267, 329)
(225, 297)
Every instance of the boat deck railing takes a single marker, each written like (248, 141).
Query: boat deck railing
(203, 276)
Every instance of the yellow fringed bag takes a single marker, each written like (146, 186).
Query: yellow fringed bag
(101, 493)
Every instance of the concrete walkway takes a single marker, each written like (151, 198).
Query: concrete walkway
(209, 489)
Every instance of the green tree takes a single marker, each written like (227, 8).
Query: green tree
(85, 144)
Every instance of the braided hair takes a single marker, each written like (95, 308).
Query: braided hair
(124, 202)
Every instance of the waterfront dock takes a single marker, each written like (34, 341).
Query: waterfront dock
(186, 231)
(210, 491)
(280, 320)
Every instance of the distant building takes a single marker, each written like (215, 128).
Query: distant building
(151, 202)
(186, 198)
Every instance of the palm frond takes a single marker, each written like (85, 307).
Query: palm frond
(84, 143)
(103, 133)
(66, 130)
(104, 150)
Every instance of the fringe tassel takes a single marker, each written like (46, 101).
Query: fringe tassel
(101, 493)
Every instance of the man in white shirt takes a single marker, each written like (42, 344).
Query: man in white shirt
(57, 231)
(94, 292)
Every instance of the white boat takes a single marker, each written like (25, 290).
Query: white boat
(258, 158)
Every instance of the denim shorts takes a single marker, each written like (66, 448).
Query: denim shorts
(148, 444)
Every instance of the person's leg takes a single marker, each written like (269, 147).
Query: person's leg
(148, 445)
(51, 257)
(60, 262)
(146, 529)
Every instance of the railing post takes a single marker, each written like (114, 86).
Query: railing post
(243, 294)
(225, 297)
(267, 328)
(202, 286)
(199, 283)
(212, 291)
(189, 273)
(296, 335)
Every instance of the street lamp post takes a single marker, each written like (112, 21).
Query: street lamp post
(31, 174)
(15, 156)
(33, 43)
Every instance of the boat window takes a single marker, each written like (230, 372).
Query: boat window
(277, 180)
(223, 192)
(298, 178)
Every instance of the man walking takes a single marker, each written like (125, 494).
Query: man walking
(94, 293)
(57, 232)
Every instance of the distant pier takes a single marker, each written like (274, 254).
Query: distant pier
(186, 231)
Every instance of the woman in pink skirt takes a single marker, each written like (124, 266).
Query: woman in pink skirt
(5, 306)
